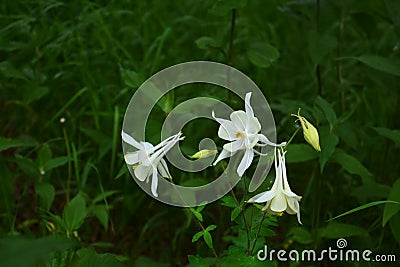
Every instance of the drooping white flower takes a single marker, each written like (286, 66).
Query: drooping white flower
(243, 133)
(280, 197)
(148, 159)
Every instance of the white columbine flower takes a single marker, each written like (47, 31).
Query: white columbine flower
(243, 133)
(148, 160)
(280, 197)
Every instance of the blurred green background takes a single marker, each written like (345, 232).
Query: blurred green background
(68, 70)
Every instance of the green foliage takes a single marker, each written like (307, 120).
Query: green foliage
(68, 70)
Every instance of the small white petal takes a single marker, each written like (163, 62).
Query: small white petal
(130, 140)
(223, 155)
(247, 106)
(163, 169)
(265, 140)
(235, 145)
(245, 162)
(132, 158)
(262, 197)
(142, 172)
(154, 182)
(219, 120)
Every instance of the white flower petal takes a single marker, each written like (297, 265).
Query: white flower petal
(253, 126)
(130, 140)
(154, 182)
(142, 172)
(239, 118)
(219, 120)
(278, 203)
(245, 162)
(266, 141)
(223, 155)
(262, 197)
(132, 158)
(163, 169)
(247, 106)
(235, 145)
(228, 131)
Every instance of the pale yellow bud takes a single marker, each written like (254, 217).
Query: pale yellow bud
(205, 153)
(309, 131)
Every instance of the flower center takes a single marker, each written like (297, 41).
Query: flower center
(240, 134)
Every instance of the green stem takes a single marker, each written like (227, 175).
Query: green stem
(291, 138)
(258, 233)
(69, 164)
(231, 36)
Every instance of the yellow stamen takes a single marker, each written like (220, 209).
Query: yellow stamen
(280, 214)
(239, 134)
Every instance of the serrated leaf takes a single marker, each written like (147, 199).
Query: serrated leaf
(74, 213)
(208, 239)
(390, 208)
(87, 257)
(197, 215)
(262, 54)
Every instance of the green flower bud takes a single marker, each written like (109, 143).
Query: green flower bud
(309, 131)
(205, 153)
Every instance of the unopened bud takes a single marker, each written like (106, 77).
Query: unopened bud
(309, 131)
(205, 153)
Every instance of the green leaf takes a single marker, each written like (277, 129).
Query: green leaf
(330, 114)
(352, 165)
(206, 42)
(101, 213)
(390, 208)
(46, 193)
(197, 214)
(328, 145)
(6, 143)
(300, 153)
(87, 257)
(320, 46)
(394, 224)
(104, 195)
(19, 251)
(197, 261)
(223, 7)
(197, 236)
(381, 63)
(131, 78)
(211, 227)
(6, 196)
(229, 201)
(56, 162)
(34, 92)
(300, 235)
(338, 230)
(74, 213)
(393, 135)
(368, 205)
(235, 213)
(208, 239)
(262, 54)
